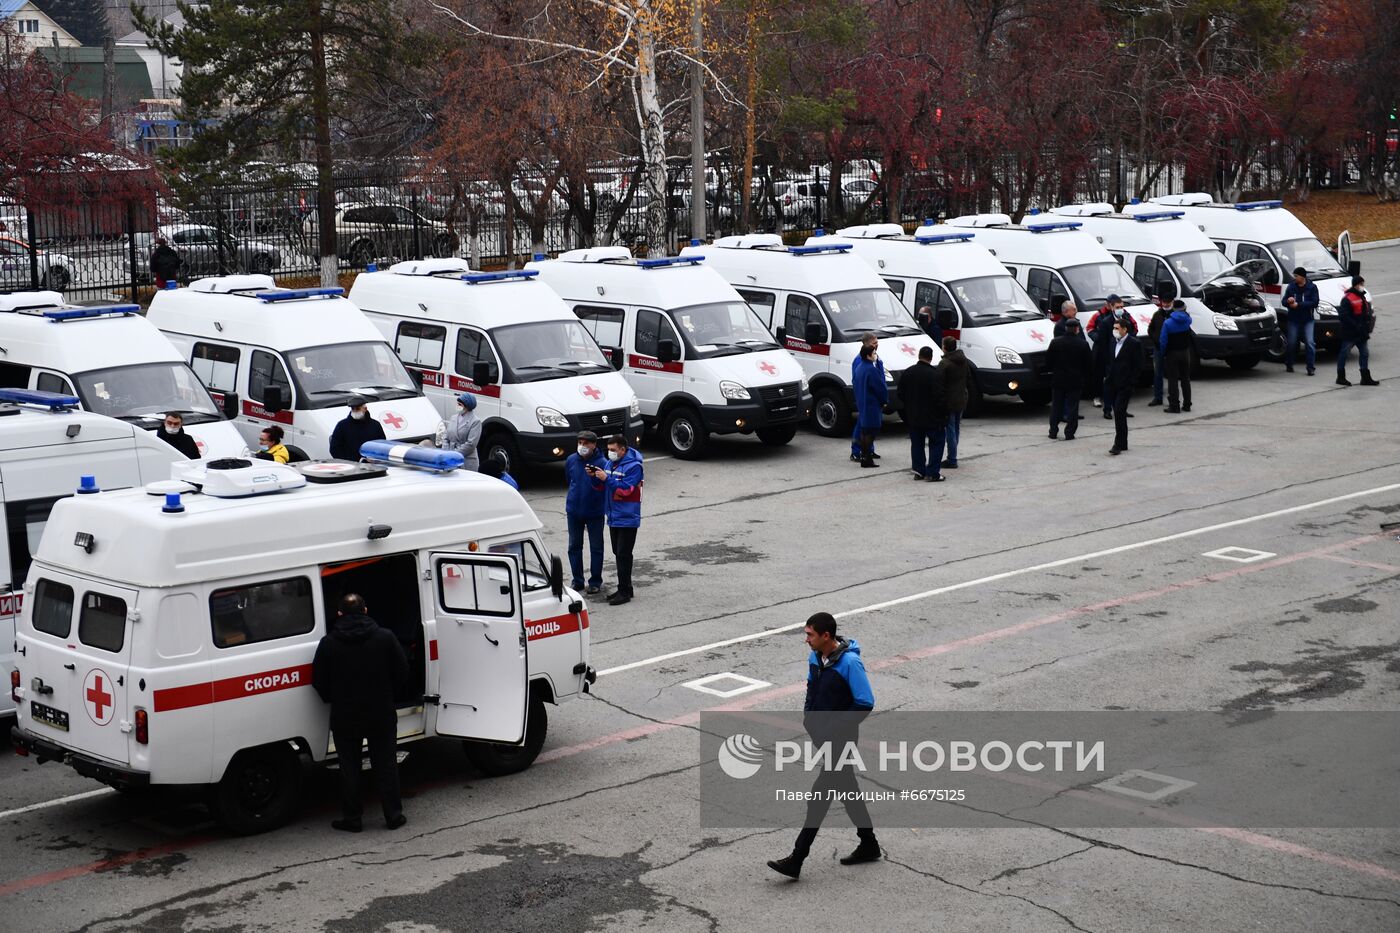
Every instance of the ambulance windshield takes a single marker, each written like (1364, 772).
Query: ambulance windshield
(1308, 253)
(994, 299)
(145, 392)
(1198, 267)
(327, 376)
(865, 309)
(543, 350)
(1094, 282)
(722, 329)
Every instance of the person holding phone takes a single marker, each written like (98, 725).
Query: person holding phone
(621, 482)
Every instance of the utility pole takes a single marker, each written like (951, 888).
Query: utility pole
(698, 204)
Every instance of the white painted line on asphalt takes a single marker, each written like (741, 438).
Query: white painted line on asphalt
(654, 459)
(56, 802)
(746, 685)
(1008, 574)
(1240, 555)
(1383, 294)
(1166, 784)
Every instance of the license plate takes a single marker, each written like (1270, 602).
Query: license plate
(55, 718)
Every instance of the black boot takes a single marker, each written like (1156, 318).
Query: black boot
(790, 866)
(867, 851)
(1342, 379)
(1366, 379)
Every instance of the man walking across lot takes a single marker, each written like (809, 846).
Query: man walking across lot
(1300, 301)
(925, 414)
(1071, 365)
(838, 699)
(583, 510)
(621, 482)
(1355, 318)
(1124, 363)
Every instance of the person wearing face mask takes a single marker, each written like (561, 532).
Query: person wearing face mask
(1122, 374)
(464, 432)
(621, 484)
(583, 511)
(270, 446)
(173, 433)
(354, 430)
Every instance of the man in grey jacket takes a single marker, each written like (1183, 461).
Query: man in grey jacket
(464, 431)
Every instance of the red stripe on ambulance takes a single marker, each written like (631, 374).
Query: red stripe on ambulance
(556, 625)
(232, 688)
(10, 604)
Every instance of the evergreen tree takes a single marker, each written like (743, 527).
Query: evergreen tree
(274, 79)
(85, 19)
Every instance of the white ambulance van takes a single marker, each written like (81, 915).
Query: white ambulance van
(537, 375)
(1168, 258)
(290, 356)
(168, 633)
(998, 327)
(699, 360)
(46, 448)
(114, 360)
(818, 300)
(1275, 242)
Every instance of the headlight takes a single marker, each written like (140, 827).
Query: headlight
(1225, 323)
(635, 409)
(1326, 309)
(733, 390)
(551, 418)
(1008, 357)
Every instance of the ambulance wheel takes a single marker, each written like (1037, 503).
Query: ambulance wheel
(495, 760)
(259, 790)
(1248, 361)
(830, 416)
(503, 447)
(685, 434)
(777, 437)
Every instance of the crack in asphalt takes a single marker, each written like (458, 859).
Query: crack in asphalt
(1063, 657)
(963, 887)
(1024, 868)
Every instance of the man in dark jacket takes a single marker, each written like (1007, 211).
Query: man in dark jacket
(925, 414)
(1069, 311)
(353, 430)
(358, 669)
(1154, 343)
(867, 339)
(1300, 301)
(165, 262)
(173, 433)
(957, 377)
(1101, 330)
(925, 319)
(838, 698)
(583, 511)
(1124, 363)
(1071, 365)
(1354, 316)
(1174, 347)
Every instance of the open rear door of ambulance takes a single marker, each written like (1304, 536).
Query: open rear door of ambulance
(483, 673)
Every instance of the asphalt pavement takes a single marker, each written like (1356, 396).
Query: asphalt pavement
(1043, 575)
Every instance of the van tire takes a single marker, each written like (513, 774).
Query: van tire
(685, 434)
(830, 416)
(495, 760)
(1248, 361)
(259, 790)
(777, 437)
(502, 446)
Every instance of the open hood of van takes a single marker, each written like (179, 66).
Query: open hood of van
(1251, 271)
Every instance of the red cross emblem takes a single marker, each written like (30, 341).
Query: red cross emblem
(1038, 336)
(393, 419)
(199, 445)
(592, 392)
(768, 368)
(99, 701)
(909, 349)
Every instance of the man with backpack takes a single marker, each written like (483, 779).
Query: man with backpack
(1356, 317)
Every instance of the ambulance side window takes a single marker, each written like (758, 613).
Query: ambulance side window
(1041, 285)
(1117, 257)
(53, 608)
(267, 370)
(1220, 246)
(102, 623)
(1248, 251)
(13, 376)
(800, 312)
(254, 612)
(604, 324)
(24, 526)
(476, 588)
(533, 575)
(1010, 270)
(763, 304)
(420, 344)
(652, 328)
(896, 286)
(1150, 274)
(49, 382)
(471, 348)
(932, 295)
(216, 366)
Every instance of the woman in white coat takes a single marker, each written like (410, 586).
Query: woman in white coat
(464, 431)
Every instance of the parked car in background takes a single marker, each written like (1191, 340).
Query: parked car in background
(205, 251)
(367, 232)
(55, 269)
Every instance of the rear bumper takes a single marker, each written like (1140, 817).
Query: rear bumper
(105, 771)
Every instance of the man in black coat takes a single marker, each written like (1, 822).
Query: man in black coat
(926, 415)
(1124, 363)
(353, 430)
(358, 669)
(1071, 365)
(173, 433)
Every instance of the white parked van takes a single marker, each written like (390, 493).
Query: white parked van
(505, 337)
(291, 356)
(1275, 242)
(46, 448)
(699, 360)
(998, 327)
(818, 300)
(167, 633)
(114, 360)
(1168, 258)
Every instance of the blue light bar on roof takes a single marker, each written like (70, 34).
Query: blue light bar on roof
(1158, 215)
(1257, 205)
(73, 314)
(53, 401)
(942, 237)
(428, 458)
(297, 294)
(1050, 228)
(813, 248)
(669, 261)
(481, 278)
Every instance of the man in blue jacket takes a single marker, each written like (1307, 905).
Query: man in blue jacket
(868, 380)
(621, 483)
(867, 339)
(583, 510)
(838, 698)
(1300, 302)
(1174, 349)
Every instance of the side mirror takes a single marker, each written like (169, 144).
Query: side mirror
(1354, 268)
(816, 332)
(1166, 291)
(556, 576)
(666, 351)
(615, 357)
(274, 399)
(481, 373)
(231, 407)
(782, 334)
